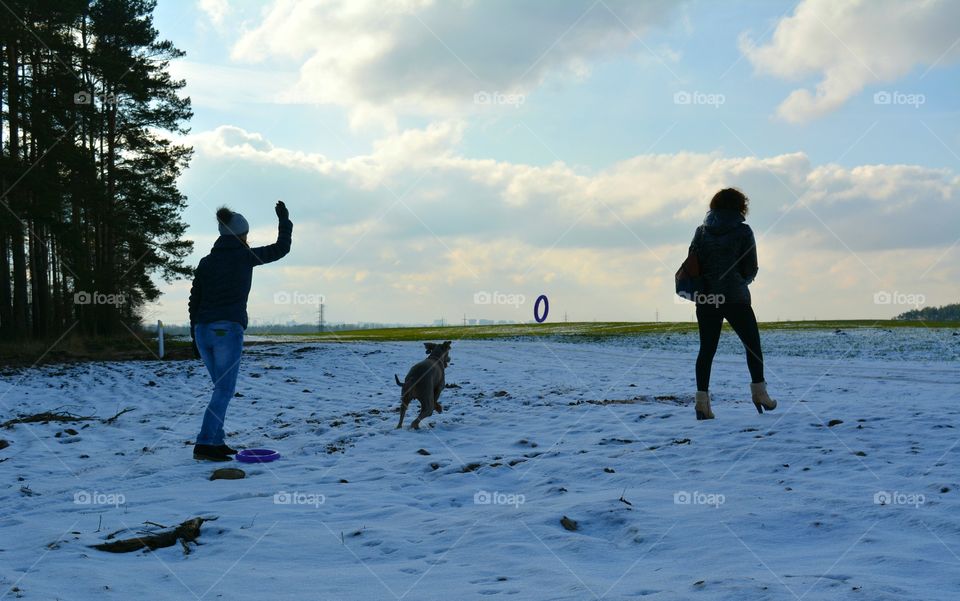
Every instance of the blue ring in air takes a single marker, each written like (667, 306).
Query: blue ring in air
(536, 308)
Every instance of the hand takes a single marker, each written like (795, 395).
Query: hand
(282, 213)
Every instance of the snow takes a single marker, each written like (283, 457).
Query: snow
(781, 505)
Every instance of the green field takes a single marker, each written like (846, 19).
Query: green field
(582, 330)
(143, 346)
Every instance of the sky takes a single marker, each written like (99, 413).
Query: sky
(451, 158)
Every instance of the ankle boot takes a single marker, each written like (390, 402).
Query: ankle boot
(206, 452)
(762, 400)
(702, 405)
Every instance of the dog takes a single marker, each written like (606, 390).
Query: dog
(425, 382)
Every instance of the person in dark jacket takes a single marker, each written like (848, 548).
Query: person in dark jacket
(727, 251)
(218, 316)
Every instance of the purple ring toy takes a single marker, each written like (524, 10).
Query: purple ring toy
(257, 455)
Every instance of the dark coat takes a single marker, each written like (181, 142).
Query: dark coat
(221, 282)
(728, 255)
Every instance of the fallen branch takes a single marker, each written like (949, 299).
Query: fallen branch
(112, 534)
(186, 532)
(59, 416)
(110, 420)
(46, 416)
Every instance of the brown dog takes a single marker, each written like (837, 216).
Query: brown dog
(425, 382)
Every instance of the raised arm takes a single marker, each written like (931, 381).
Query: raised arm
(280, 248)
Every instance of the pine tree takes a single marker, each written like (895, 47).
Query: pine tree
(87, 176)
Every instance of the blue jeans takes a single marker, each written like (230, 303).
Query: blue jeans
(220, 344)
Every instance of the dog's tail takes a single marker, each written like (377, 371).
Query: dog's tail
(399, 383)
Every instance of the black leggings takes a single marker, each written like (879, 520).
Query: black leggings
(744, 323)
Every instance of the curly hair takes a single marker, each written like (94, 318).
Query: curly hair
(731, 198)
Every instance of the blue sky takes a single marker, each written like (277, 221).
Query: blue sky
(585, 177)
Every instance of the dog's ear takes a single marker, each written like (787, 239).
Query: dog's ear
(430, 346)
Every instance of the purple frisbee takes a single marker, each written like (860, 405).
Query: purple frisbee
(257, 455)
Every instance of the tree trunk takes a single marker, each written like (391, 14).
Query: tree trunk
(6, 310)
(39, 284)
(20, 327)
(20, 323)
(111, 313)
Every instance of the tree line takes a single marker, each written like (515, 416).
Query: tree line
(944, 313)
(89, 207)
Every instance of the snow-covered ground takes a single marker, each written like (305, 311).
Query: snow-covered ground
(778, 506)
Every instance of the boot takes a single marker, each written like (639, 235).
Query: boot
(762, 400)
(226, 450)
(703, 405)
(206, 452)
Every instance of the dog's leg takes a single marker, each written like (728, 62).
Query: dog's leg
(426, 410)
(403, 411)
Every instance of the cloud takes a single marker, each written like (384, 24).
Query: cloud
(216, 10)
(420, 175)
(429, 57)
(390, 155)
(851, 45)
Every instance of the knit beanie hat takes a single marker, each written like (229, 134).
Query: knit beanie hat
(230, 223)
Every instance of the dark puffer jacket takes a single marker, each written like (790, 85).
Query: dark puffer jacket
(728, 255)
(221, 283)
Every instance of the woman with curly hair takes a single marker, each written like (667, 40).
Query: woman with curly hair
(727, 251)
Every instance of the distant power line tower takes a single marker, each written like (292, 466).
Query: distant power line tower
(320, 320)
